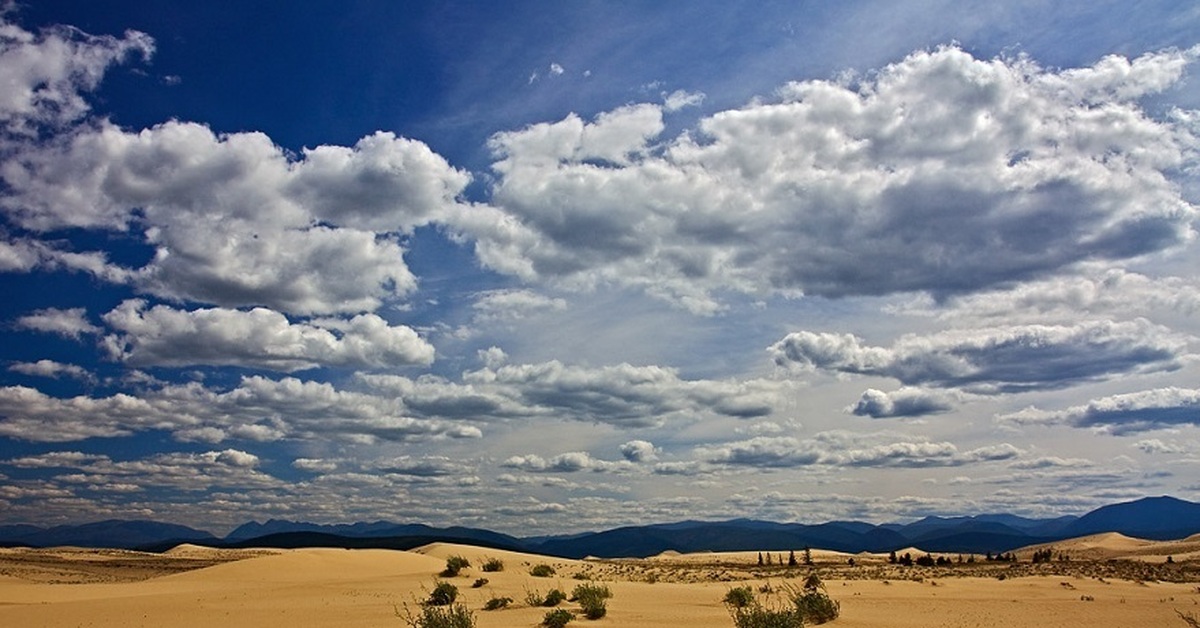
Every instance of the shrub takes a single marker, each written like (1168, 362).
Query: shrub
(443, 594)
(554, 598)
(497, 603)
(453, 616)
(557, 618)
(739, 597)
(542, 571)
(479, 583)
(816, 607)
(455, 564)
(534, 597)
(593, 599)
(493, 564)
(758, 616)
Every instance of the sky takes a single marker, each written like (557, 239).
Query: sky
(545, 268)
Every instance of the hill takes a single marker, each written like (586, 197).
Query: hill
(1155, 518)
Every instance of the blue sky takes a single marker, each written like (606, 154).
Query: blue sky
(548, 267)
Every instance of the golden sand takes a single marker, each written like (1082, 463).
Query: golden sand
(332, 587)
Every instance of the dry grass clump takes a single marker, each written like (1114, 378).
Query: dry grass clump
(593, 599)
(443, 594)
(452, 616)
(557, 618)
(454, 565)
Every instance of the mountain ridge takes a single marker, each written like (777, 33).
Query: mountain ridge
(1157, 518)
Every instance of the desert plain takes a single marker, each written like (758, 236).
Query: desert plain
(1110, 580)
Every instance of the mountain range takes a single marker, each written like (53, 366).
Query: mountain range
(1156, 518)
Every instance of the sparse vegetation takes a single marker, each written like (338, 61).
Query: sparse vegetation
(454, 565)
(479, 583)
(739, 597)
(493, 564)
(758, 616)
(497, 603)
(554, 598)
(542, 571)
(593, 599)
(452, 616)
(816, 607)
(557, 618)
(443, 594)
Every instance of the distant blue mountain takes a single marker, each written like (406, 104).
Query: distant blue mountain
(1151, 518)
(111, 533)
(1158, 518)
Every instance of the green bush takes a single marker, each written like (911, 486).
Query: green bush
(453, 616)
(443, 594)
(497, 603)
(739, 597)
(533, 597)
(542, 571)
(758, 616)
(554, 598)
(816, 607)
(557, 618)
(455, 564)
(493, 564)
(479, 582)
(593, 599)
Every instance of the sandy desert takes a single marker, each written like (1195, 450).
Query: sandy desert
(1111, 581)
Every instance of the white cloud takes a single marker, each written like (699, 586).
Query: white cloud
(1121, 414)
(44, 73)
(1106, 292)
(900, 403)
(936, 175)
(164, 336)
(315, 465)
(50, 368)
(994, 360)
(514, 304)
(842, 450)
(639, 451)
(679, 99)
(70, 323)
(257, 408)
(298, 236)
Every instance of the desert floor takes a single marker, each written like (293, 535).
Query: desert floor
(192, 586)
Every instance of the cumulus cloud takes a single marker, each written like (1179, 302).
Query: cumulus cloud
(164, 336)
(51, 368)
(1121, 414)
(623, 395)
(70, 323)
(570, 462)
(900, 403)
(841, 450)
(514, 304)
(233, 219)
(994, 360)
(1110, 291)
(639, 451)
(680, 99)
(258, 408)
(937, 174)
(316, 465)
(44, 73)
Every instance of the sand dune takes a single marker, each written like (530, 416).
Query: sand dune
(1114, 546)
(331, 587)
